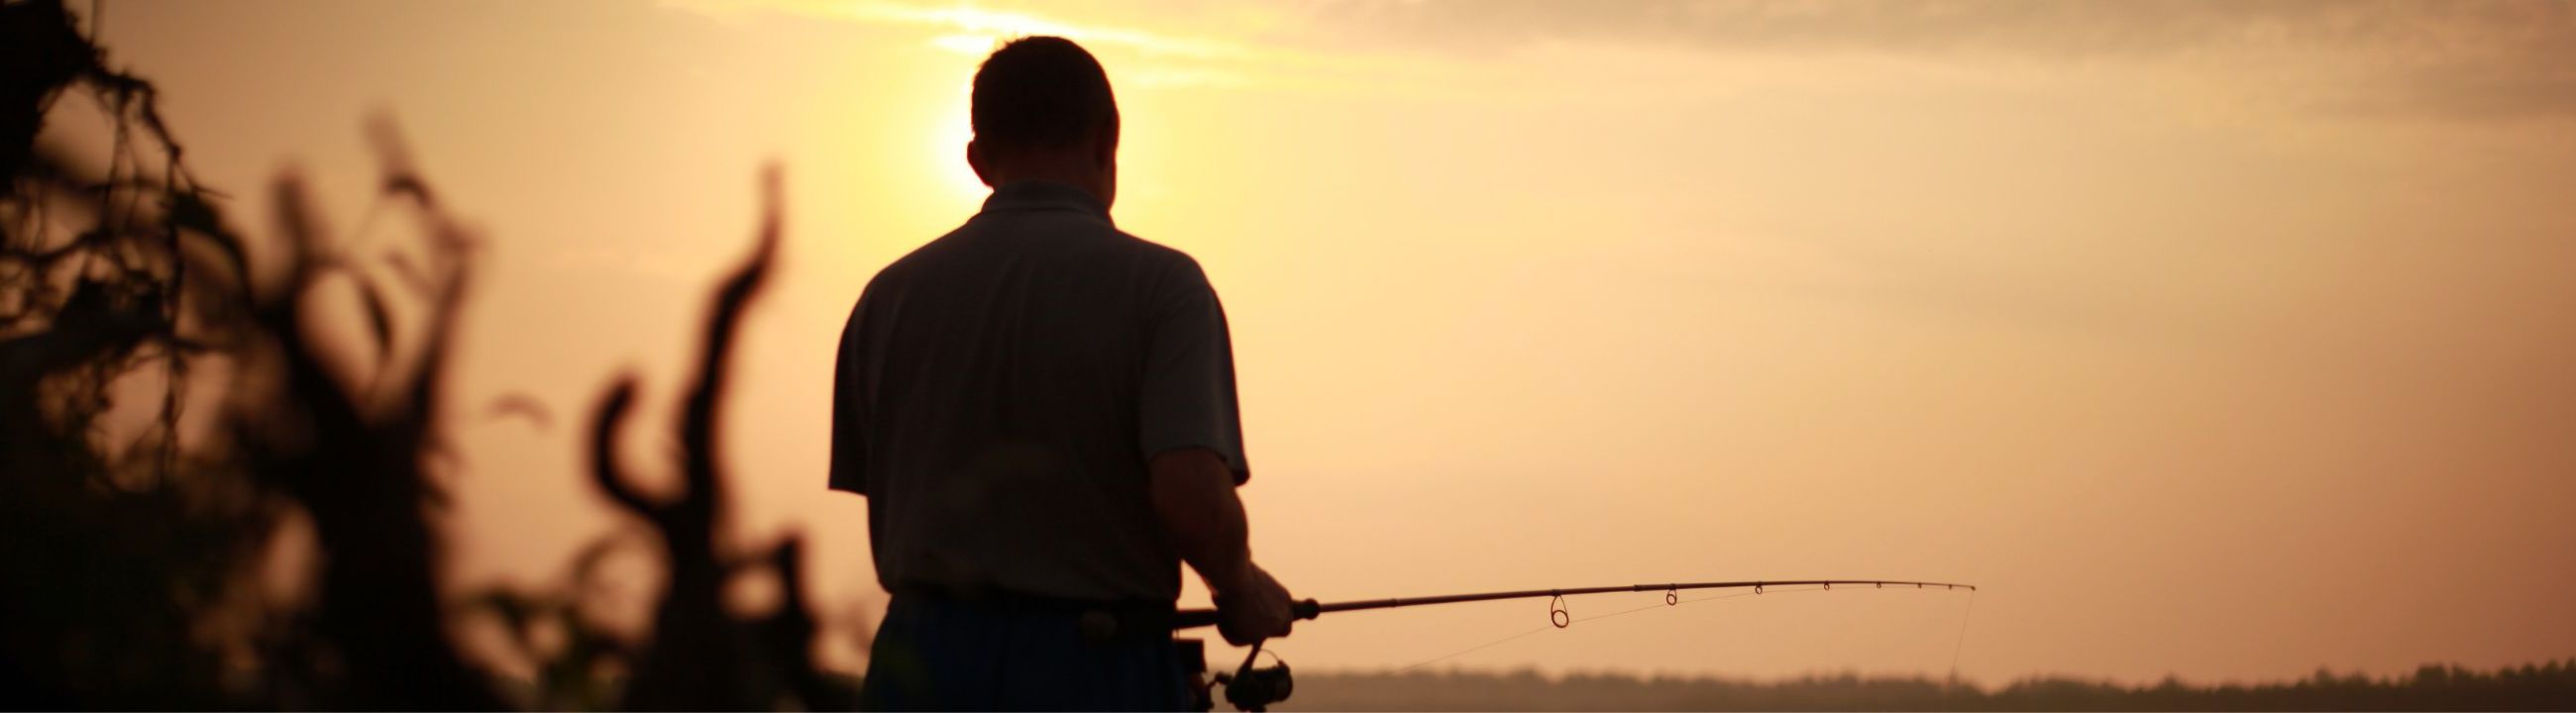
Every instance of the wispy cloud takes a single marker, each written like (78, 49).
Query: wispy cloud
(970, 21)
(1161, 58)
(2483, 60)
(656, 265)
(2479, 59)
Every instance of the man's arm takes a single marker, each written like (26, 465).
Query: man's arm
(1193, 492)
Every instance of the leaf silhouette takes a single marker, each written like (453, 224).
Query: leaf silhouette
(380, 324)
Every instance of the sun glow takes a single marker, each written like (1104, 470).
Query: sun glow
(969, 44)
(1005, 24)
(955, 127)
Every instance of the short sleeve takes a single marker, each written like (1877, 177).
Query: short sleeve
(1188, 392)
(849, 406)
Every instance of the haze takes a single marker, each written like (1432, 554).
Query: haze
(2224, 340)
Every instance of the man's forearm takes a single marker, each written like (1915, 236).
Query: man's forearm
(1193, 494)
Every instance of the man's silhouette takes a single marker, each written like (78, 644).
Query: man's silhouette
(1041, 412)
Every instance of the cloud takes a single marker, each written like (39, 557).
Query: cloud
(2468, 59)
(656, 265)
(1202, 55)
(2043, 28)
(1001, 24)
(2458, 60)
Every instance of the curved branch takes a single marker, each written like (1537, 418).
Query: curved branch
(604, 469)
(698, 423)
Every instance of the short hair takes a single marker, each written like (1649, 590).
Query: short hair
(1038, 93)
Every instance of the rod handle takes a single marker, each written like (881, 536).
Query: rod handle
(1195, 618)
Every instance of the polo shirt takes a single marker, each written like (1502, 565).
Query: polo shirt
(1000, 390)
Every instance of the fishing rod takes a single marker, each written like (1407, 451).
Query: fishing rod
(1309, 609)
(1253, 689)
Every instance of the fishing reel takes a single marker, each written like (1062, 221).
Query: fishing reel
(1254, 689)
(1249, 688)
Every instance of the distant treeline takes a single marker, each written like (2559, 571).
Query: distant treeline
(2546, 686)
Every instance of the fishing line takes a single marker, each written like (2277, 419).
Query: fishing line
(1964, 611)
(1473, 649)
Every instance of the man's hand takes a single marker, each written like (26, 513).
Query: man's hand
(1254, 609)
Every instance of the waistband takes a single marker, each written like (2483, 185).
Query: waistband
(1098, 620)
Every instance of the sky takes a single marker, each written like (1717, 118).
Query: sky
(2219, 340)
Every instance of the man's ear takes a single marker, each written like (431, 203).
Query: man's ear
(1104, 144)
(975, 159)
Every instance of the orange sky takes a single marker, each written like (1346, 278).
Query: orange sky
(2227, 340)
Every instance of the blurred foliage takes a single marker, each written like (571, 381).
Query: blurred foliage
(2550, 686)
(125, 563)
(270, 541)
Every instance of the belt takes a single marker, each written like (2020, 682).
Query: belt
(1098, 621)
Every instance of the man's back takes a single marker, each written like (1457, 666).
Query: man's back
(1002, 388)
(1041, 412)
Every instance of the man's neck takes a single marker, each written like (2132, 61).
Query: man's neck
(1067, 171)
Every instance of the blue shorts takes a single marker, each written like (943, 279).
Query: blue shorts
(947, 654)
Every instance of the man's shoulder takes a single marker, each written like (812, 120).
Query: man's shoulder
(1100, 238)
(973, 246)
(924, 256)
(1087, 231)
(1164, 255)
(1168, 272)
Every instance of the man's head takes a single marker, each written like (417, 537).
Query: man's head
(1043, 110)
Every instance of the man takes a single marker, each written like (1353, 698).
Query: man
(1041, 412)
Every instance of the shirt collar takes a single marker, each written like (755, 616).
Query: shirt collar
(1044, 195)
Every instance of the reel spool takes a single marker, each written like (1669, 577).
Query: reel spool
(1248, 688)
